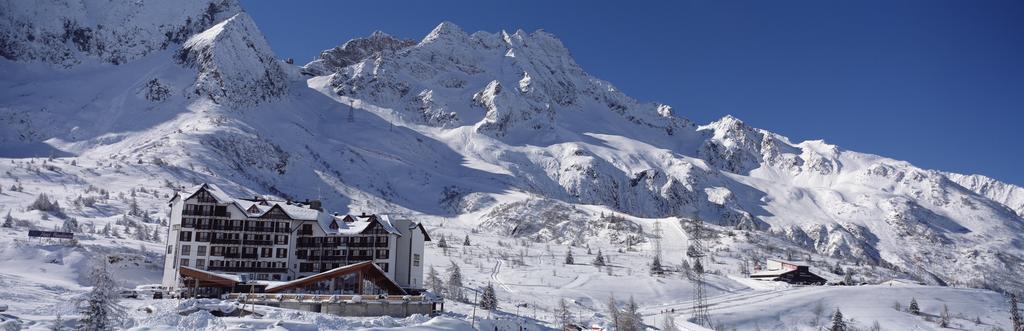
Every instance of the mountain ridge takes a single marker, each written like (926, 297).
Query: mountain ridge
(498, 126)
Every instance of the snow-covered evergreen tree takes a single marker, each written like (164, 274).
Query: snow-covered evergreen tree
(489, 300)
(568, 256)
(599, 259)
(564, 314)
(8, 220)
(70, 225)
(466, 241)
(141, 233)
(133, 207)
(434, 281)
(58, 323)
(848, 279)
(614, 314)
(656, 268)
(913, 308)
(838, 324)
(944, 317)
(155, 236)
(632, 320)
(443, 243)
(99, 308)
(454, 284)
(44, 204)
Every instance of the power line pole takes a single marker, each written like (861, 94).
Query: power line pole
(696, 252)
(351, 111)
(656, 264)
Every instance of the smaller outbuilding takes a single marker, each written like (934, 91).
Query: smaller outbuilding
(789, 272)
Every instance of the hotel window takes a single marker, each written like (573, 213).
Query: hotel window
(184, 262)
(282, 253)
(186, 250)
(415, 260)
(170, 249)
(382, 253)
(383, 266)
(200, 250)
(201, 264)
(185, 236)
(267, 252)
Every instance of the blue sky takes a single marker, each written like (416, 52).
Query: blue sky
(937, 83)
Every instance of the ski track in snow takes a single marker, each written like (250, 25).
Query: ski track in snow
(494, 276)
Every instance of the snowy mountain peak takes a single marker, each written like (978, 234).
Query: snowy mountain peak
(69, 33)
(235, 63)
(353, 51)
(446, 32)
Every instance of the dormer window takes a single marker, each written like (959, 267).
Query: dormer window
(253, 210)
(334, 224)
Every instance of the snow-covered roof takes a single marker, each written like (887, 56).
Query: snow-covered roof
(358, 226)
(375, 274)
(770, 273)
(787, 261)
(215, 191)
(294, 210)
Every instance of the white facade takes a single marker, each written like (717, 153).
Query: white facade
(282, 241)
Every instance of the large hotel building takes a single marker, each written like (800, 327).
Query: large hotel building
(281, 241)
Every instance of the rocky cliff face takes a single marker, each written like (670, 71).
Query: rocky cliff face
(1008, 194)
(235, 64)
(355, 50)
(67, 33)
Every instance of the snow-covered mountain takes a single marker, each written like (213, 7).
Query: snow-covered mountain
(504, 131)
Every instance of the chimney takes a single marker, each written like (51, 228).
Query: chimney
(315, 204)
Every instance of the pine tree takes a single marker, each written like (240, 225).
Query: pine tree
(58, 323)
(133, 207)
(70, 225)
(1018, 323)
(848, 279)
(944, 317)
(913, 308)
(563, 314)
(568, 256)
(106, 229)
(599, 259)
(466, 241)
(8, 220)
(443, 243)
(837, 322)
(656, 266)
(100, 310)
(632, 319)
(454, 282)
(434, 281)
(141, 233)
(614, 314)
(489, 300)
(156, 234)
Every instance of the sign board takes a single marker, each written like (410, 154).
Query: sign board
(50, 234)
